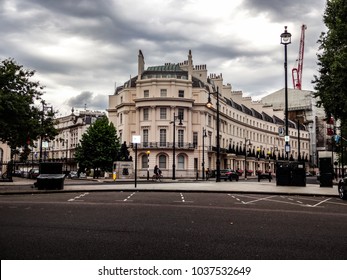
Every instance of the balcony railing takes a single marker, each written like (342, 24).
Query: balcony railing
(166, 145)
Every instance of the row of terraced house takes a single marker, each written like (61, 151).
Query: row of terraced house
(165, 107)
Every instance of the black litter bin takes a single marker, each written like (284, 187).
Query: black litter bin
(326, 180)
(291, 173)
(298, 175)
(51, 176)
(283, 174)
(326, 172)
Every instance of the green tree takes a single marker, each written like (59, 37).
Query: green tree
(331, 84)
(99, 146)
(21, 121)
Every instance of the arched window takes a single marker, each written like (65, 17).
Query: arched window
(180, 162)
(144, 161)
(162, 162)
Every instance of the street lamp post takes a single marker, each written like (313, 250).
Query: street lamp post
(67, 146)
(209, 105)
(174, 145)
(286, 40)
(269, 153)
(42, 120)
(249, 143)
(203, 152)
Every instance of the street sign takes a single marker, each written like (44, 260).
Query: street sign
(136, 139)
(287, 148)
(286, 138)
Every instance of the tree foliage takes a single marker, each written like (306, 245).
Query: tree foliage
(331, 84)
(99, 146)
(21, 121)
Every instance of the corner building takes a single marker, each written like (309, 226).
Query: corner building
(168, 102)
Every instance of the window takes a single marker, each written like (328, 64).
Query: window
(121, 118)
(163, 113)
(144, 161)
(163, 92)
(162, 162)
(145, 137)
(181, 93)
(181, 113)
(195, 139)
(146, 93)
(180, 162)
(209, 121)
(180, 138)
(162, 138)
(145, 114)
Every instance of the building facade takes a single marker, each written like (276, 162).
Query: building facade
(61, 149)
(70, 129)
(166, 106)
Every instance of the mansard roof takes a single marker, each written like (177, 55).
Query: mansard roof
(277, 120)
(267, 118)
(256, 114)
(246, 110)
(168, 67)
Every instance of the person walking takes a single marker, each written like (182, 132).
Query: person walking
(156, 170)
(207, 173)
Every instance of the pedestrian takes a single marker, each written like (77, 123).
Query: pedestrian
(156, 170)
(207, 173)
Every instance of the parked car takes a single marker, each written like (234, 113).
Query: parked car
(72, 175)
(33, 173)
(17, 173)
(342, 188)
(75, 175)
(229, 174)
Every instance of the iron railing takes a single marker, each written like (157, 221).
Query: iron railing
(166, 145)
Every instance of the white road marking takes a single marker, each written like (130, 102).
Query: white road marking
(78, 197)
(319, 203)
(127, 199)
(183, 199)
(256, 200)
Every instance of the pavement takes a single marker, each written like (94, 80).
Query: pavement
(26, 186)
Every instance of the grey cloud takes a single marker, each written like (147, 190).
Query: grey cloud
(89, 100)
(282, 10)
(112, 32)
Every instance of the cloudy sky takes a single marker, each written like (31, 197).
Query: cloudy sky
(81, 48)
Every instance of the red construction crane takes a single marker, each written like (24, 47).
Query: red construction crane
(297, 71)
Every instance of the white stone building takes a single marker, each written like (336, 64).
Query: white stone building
(61, 149)
(153, 103)
(70, 129)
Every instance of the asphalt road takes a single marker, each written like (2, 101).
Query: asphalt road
(172, 225)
